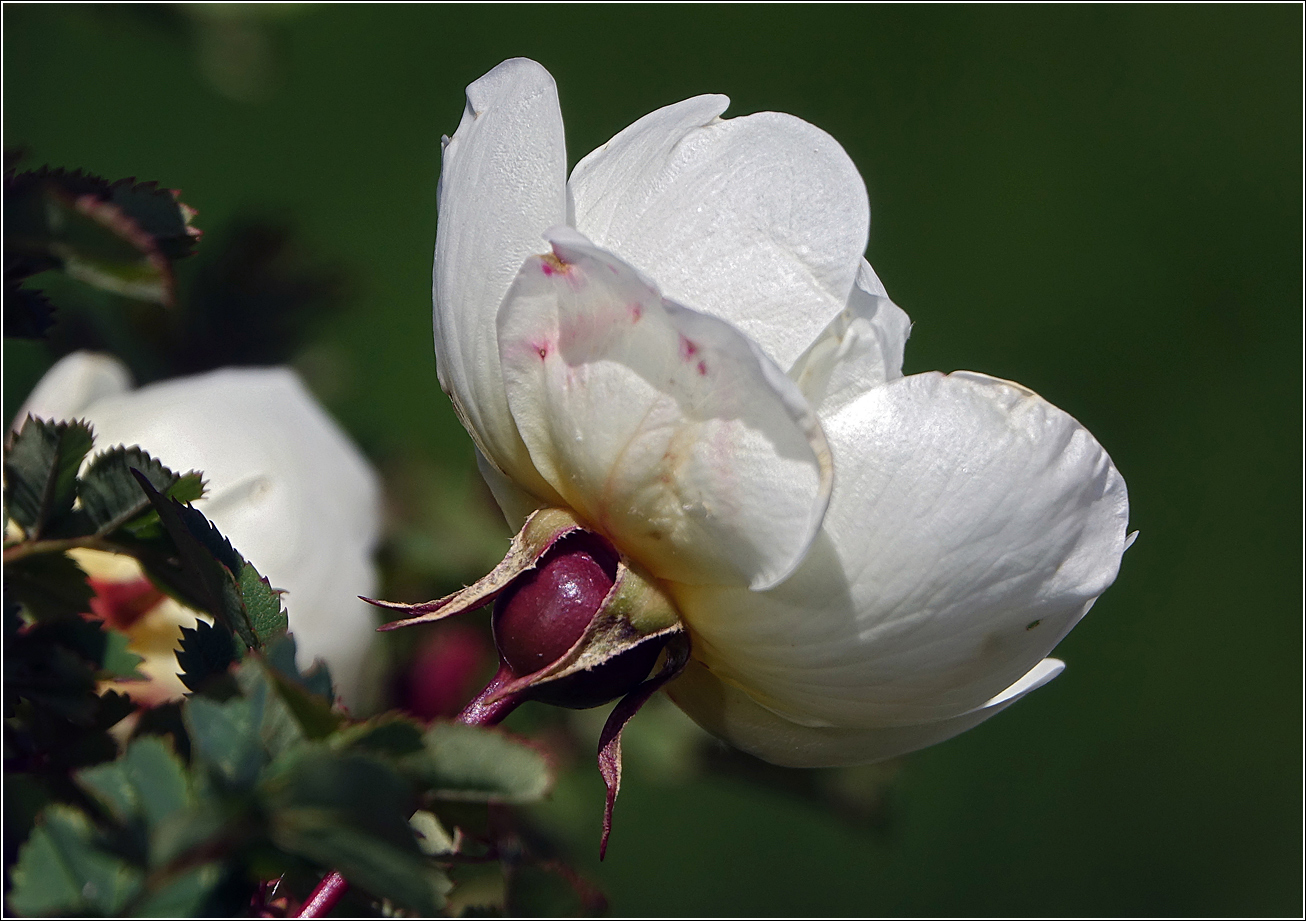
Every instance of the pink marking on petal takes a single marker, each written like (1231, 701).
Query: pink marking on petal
(541, 349)
(552, 265)
(688, 348)
(636, 311)
(702, 368)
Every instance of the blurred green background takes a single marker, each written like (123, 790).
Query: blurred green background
(1103, 203)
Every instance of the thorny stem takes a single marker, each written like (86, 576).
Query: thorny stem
(333, 886)
(23, 549)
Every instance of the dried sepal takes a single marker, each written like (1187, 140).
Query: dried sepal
(542, 530)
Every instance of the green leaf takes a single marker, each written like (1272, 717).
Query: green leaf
(281, 655)
(207, 653)
(225, 738)
(112, 498)
(388, 735)
(278, 728)
(267, 618)
(41, 472)
(147, 782)
(475, 763)
(117, 237)
(208, 563)
(379, 867)
(51, 586)
(188, 829)
(312, 712)
(182, 897)
(60, 870)
(158, 212)
(303, 694)
(350, 812)
(119, 661)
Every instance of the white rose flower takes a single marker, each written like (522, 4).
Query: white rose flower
(683, 345)
(285, 485)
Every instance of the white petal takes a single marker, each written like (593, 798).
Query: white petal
(663, 428)
(860, 349)
(516, 504)
(972, 525)
(759, 220)
(502, 184)
(74, 383)
(730, 714)
(286, 486)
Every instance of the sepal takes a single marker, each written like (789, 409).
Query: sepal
(542, 530)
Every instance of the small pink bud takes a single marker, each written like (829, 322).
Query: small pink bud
(449, 666)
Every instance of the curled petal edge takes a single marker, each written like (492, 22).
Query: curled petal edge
(730, 714)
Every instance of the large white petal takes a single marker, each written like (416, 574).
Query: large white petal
(664, 428)
(860, 349)
(515, 503)
(972, 525)
(730, 714)
(759, 220)
(73, 384)
(286, 486)
(502, 184)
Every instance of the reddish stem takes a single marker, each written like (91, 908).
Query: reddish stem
(333, 886)
(324, 898)
(480, 713)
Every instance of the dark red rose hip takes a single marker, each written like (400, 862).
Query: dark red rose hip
(545, 611)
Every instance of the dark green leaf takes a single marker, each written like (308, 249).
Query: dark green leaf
(50, 586)
(28, 313)
(207, 653)
(41, 471)
(112, 498)
(55, 678)
(262, 606)
(475, 763)
(188, 829)
(182, 897)
(24, 798)
(350, 812)
(379, 867)
(388, 735)
(54, 728)
(278, 728)
(118, 237)
(208, 535)
(281, 655)
(148, 782)
(158, 212)
(208, 564)
(54, 665)
(62, 871)
(313, 713)
(225, 738)
(166, 722)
